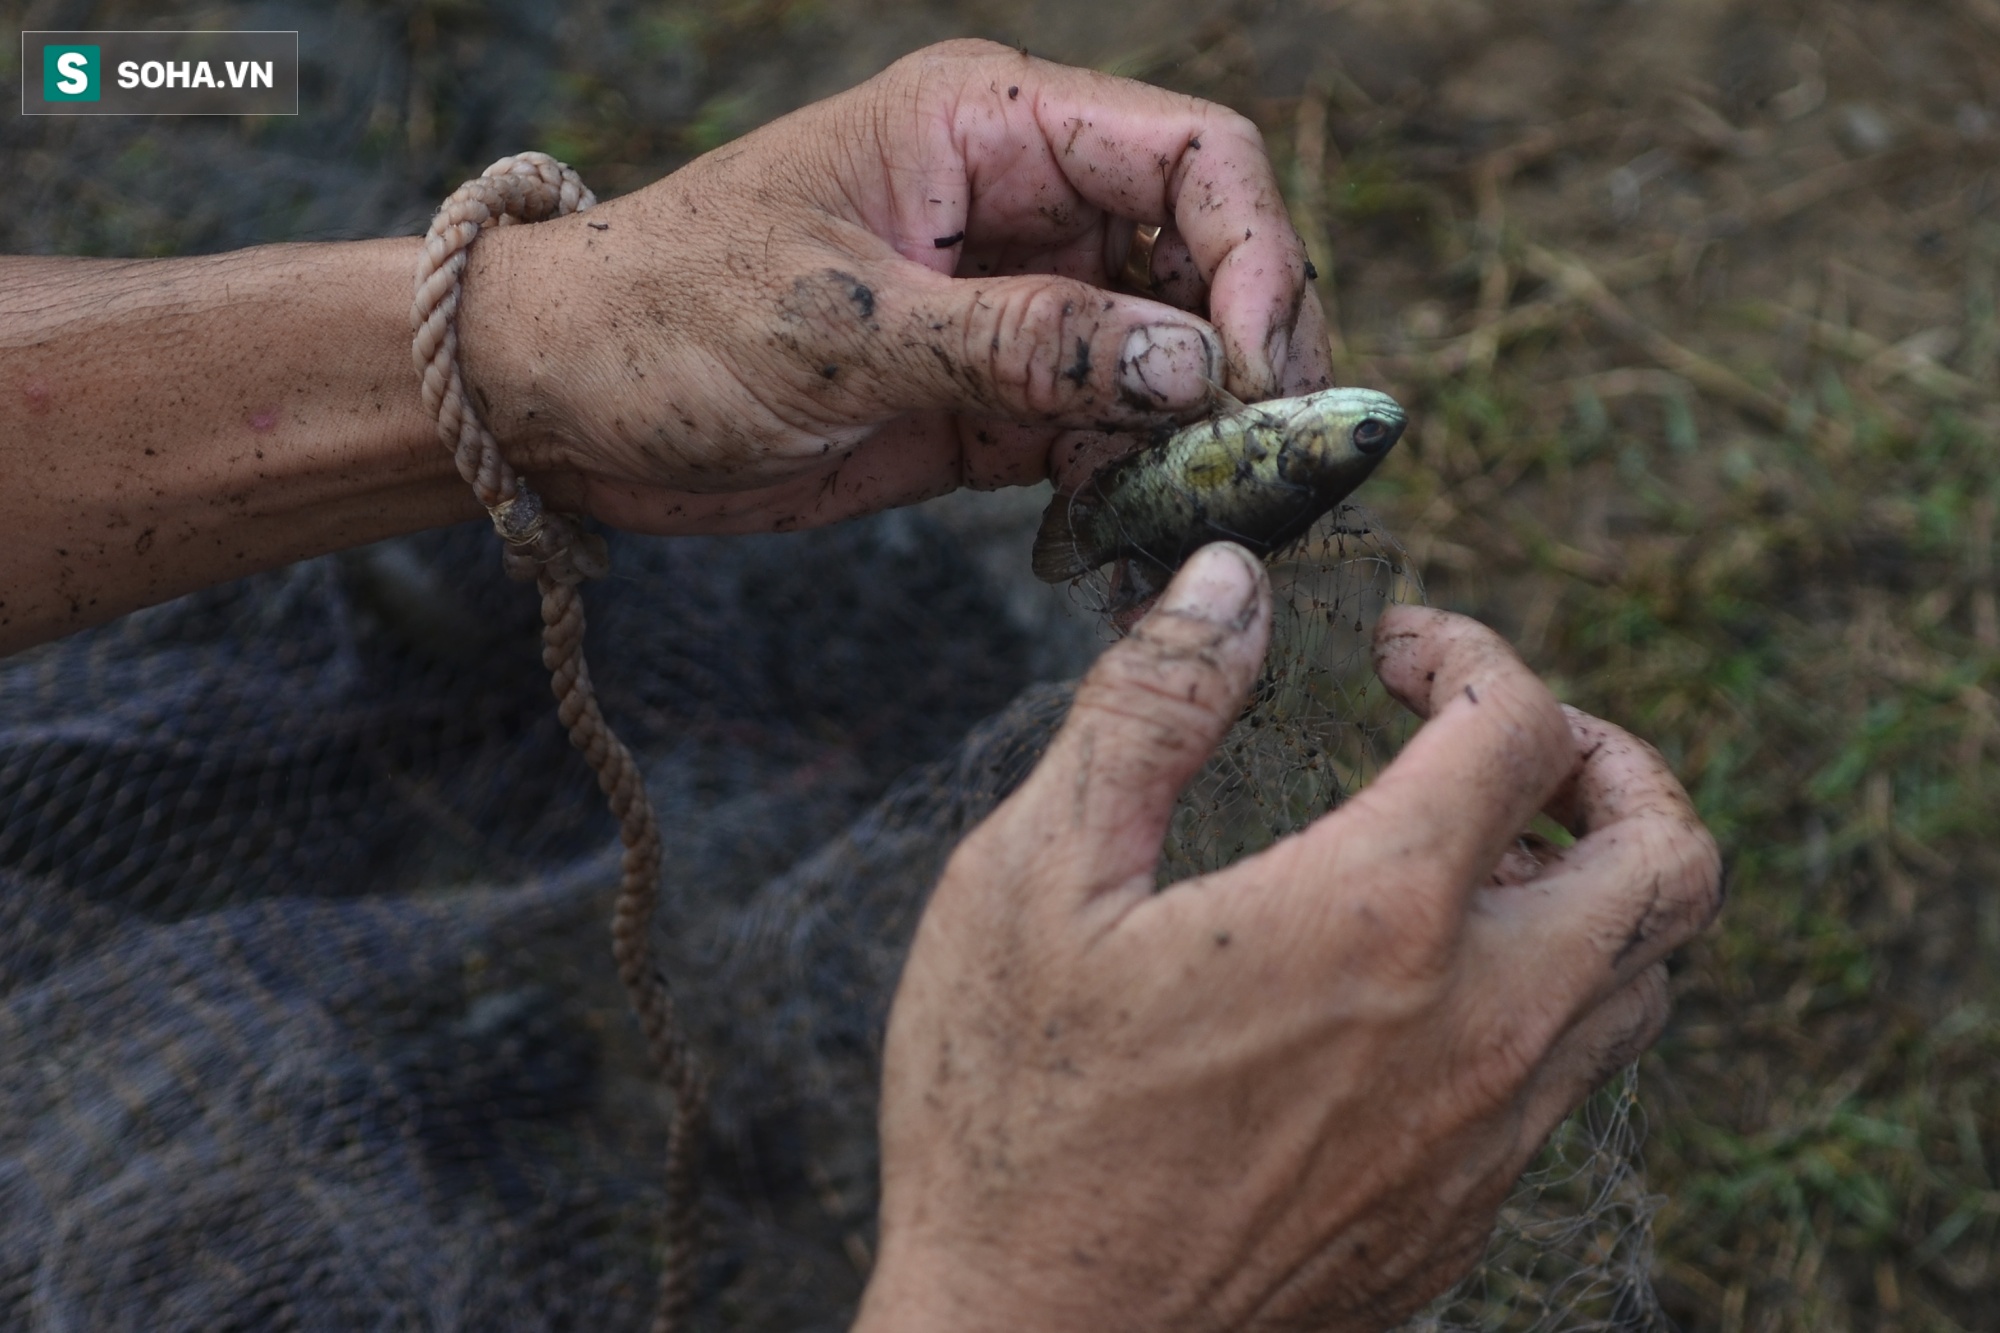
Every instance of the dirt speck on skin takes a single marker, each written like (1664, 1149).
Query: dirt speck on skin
(1079, 369)
(861, 295)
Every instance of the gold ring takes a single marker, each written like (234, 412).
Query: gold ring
(1138, 271)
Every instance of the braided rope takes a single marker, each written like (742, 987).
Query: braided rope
(557, 554)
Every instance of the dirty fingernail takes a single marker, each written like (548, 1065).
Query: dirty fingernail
(1166, 367)
(1217, 584)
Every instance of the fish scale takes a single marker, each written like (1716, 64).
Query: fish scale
(1259, 475)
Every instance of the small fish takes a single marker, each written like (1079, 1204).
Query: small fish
(1259, 475)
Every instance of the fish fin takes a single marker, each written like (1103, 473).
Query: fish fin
(1136, 583)
(1062, 551)
(1226, 400)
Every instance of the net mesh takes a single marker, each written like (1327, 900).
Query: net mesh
(308, 1009)
(1571, 1251)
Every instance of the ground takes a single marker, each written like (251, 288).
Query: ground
(1694, 306)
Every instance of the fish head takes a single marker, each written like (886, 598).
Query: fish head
(1336, 437)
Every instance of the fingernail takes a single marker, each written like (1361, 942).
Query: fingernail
(1217, 584)
(1166, 367)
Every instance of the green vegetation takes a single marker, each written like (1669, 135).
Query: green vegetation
(1763, 538)
(1701, 363)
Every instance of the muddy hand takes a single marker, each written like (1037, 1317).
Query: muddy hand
(1291, 1094)
(901, 290)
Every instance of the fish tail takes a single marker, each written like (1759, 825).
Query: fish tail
(1063, 548)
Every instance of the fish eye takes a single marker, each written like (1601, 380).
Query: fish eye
(1374, 435)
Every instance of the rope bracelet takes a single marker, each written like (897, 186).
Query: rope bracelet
(555, 552)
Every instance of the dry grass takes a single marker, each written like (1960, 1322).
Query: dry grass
(1704, 378)
(1694, 302)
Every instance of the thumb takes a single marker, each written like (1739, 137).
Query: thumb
(1145, 719)
(1033, 347)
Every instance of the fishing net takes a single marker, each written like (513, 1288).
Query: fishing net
(305, 995)
(307, 1014)
(1572, 1248)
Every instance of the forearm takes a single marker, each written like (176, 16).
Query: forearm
(169, 424)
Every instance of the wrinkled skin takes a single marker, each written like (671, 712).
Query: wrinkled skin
(1292, 1094)
(774, 337)
(771, 337)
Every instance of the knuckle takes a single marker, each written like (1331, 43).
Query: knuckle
(1407, 955)
(1236, 125)
(943, 55)
(1039, 346)
(1419, 952)
(993, 847)
(1704, 868)
(1179, 692)
(1659, 888)
(1539, 718)
(1519, 1037)
(1644, 1007)
(1654, 1002)
(1403, 912)
(976, 48)
(1682, 859)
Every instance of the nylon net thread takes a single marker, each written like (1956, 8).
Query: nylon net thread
(1572, 1250)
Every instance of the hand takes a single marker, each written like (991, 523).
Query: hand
(890, 294)
(1294, 1093)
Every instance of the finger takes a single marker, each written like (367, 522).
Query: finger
(1591, 1052)
(1076, 455)
(1494, 748)
(1618, 777)
(1310, 368)
(1041, 144)
(1144, 153)
(1173, 275)
(1093, 254)
(903, 462)
(1175, 279)
(906, 460)
(1644, 879)
(1143, 722)
(890, 337)
(951, 450)
(1525, 859)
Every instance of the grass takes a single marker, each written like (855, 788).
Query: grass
(1718, 453)
(1797, 607)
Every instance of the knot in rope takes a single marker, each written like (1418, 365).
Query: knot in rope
(544, 544)
(526, 187)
